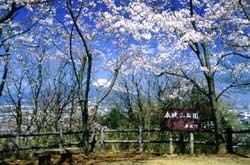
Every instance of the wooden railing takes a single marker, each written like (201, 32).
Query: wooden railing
(191, 141)
(14, 139)
(139, 138)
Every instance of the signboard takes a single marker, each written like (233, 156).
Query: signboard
(180, 119)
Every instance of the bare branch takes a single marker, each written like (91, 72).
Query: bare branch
(242, 55)
(244, 10)
(11, 12)
(184, 75)
(194, 83)
(18, 34)
(229, 54)
(4, 55)
(89, 67)
(229, 87)
(106, 93)
(16, 7)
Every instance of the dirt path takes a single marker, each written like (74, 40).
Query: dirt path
(183, 161)
(133, 158)
(149, 159)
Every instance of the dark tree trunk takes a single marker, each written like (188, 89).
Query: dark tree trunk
(219, 139)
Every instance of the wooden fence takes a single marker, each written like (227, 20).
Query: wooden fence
(103, 133)
(15, 145)
(171, 141)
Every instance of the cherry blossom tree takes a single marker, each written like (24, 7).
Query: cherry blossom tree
(12, 26)
(15, 90)
(78, 41)
(204, 42)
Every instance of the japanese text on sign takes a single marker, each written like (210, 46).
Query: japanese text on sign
(181, 115)
(180, 119)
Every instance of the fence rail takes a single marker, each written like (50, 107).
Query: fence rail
(104, 132)
(191, 141)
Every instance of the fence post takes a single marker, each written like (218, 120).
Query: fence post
(171, 146)
(191, 141)
(60, 138)
(102, 139)
(182, 144)
(140, 139)
(229, 140)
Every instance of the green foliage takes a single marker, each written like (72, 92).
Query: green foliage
(115, 118)
(229, 118)
(151, 114)
(201, 103)
(119, 118)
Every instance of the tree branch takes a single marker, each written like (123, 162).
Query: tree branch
(11, 12)
(89, 56)
(106, 93)
(231, 53)
(244, 10)
(15, 7)
(231, 86)
(194, 83)
(184, 75)
(18, 34)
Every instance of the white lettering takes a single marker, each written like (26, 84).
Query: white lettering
(188, 115)
(167, 115)
(174, 115)
(181, 116)
(195, 116)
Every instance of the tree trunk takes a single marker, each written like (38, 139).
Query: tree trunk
(220, 146)
(5, 71)
(19, 118)
(85, 127)
(219, 139)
